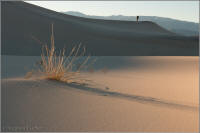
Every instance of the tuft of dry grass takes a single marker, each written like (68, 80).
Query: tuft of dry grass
(59, 67)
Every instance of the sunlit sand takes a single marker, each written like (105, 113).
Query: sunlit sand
(149, 94)
(145, 78)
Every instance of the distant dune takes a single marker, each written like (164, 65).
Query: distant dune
(22, 22)
(185, 28)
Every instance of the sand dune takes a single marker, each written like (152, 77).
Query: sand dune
(21, 21)
(10, 83)
(127, 93)
(137, 94)
(40, 105)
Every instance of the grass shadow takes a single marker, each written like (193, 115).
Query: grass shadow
(136, 98)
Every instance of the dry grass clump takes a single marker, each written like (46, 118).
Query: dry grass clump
(59, 67)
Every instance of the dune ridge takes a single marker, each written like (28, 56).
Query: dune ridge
(26, 83)
(22, 21)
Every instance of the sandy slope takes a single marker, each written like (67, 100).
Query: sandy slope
(32, 105)
(21, 21)
(145, 94)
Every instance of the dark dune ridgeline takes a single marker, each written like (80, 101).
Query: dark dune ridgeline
(22, 23)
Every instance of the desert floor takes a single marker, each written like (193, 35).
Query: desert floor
(132, 93)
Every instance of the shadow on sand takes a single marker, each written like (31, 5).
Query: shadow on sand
(136, 98)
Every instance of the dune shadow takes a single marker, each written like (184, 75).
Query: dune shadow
(132, 97)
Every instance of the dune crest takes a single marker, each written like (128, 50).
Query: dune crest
(101, 37)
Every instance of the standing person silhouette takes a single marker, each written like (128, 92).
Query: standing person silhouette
(137, 18)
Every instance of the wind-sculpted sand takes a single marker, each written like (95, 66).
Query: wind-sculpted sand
(128, 88)
(26, 26)
(140, 94)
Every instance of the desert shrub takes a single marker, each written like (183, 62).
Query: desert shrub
(56, 66)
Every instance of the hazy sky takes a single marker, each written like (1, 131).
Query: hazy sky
(182, 10)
